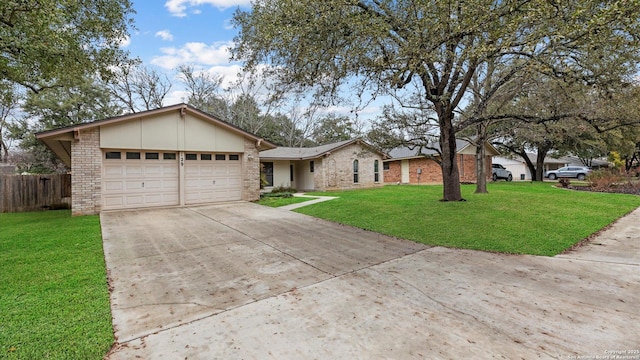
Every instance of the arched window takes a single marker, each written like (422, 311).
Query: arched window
(376, 173)
(355, 171)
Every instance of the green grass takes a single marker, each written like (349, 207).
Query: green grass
(54, 300)
(281, 201)
(518, 218)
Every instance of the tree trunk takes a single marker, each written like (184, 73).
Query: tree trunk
(540, 165)
(449, 165)
(481, 171)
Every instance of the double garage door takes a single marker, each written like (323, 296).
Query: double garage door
(133, 179)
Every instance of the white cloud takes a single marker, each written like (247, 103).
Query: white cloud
(124, 42)
(179, 7)
(194, 53)
(164, 35)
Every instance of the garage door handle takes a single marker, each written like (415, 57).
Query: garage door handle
(142, 184)
(214, 182)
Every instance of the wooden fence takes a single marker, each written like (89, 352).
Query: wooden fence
(19, 193)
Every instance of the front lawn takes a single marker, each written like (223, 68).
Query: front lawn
(273, 201)
(519, 218)
(54, 300)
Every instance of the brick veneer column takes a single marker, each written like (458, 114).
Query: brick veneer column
(86, 173)
(251, 172)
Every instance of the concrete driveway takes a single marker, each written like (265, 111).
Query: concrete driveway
(242, 281)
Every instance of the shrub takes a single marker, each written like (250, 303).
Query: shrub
(282, 189)
(604, 179)
(277, 195)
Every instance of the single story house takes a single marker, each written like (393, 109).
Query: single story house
(409, 166)
(172, 156)
(519, 169)
(346, 164)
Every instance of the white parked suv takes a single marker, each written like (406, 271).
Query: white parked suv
(499, 172)
(578, 172)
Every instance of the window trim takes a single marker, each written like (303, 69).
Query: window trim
(376, 171)
(133, 155)
(150, 156)
(110, 155)
(356, 171)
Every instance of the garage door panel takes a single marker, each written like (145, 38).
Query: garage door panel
(212, 180)
(135, 183)
(145, 182)
(133, 171)
(113, 186)
(113, 171)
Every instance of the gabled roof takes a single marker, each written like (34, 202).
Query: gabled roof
(431, 149)
(299, 153)
(59, 140)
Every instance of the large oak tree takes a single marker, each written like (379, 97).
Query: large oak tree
(52, 43)
(430, 50)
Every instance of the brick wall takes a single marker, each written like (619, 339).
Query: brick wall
(337, 169)
(394, 174)
(86, 173)
(431, 170)
(251, 172)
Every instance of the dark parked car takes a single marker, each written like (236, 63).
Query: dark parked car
(499, 172)
(577, 172)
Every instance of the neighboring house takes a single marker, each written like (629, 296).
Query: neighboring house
(520, 171)
(176, 155)
(347, 164)
(408, 166)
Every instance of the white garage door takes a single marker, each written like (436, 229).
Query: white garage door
(212, 178)
(133, 179)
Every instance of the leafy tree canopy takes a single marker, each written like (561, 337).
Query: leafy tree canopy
(431, 50)
(48, 43)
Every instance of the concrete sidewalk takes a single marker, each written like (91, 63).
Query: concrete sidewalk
(313, 200)
(412, 303)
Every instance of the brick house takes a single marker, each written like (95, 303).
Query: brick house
(172, 156)
(350, 164)
(408, 166)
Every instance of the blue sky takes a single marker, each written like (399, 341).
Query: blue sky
(178, 32)
(171, 33)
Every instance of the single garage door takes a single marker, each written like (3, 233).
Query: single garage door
(134, 179)
(212, 178)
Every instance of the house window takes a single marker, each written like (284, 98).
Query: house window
(169, 156)
(133, 155)
(461, 165)
(355, 171)
(267, 172)
(376, 173)
(385, 166)
(312, 166)
(221, 157)
(113, 155)
(290, 172)
(191, 157)
(234, 157)
(151, 156)
(205, 156)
